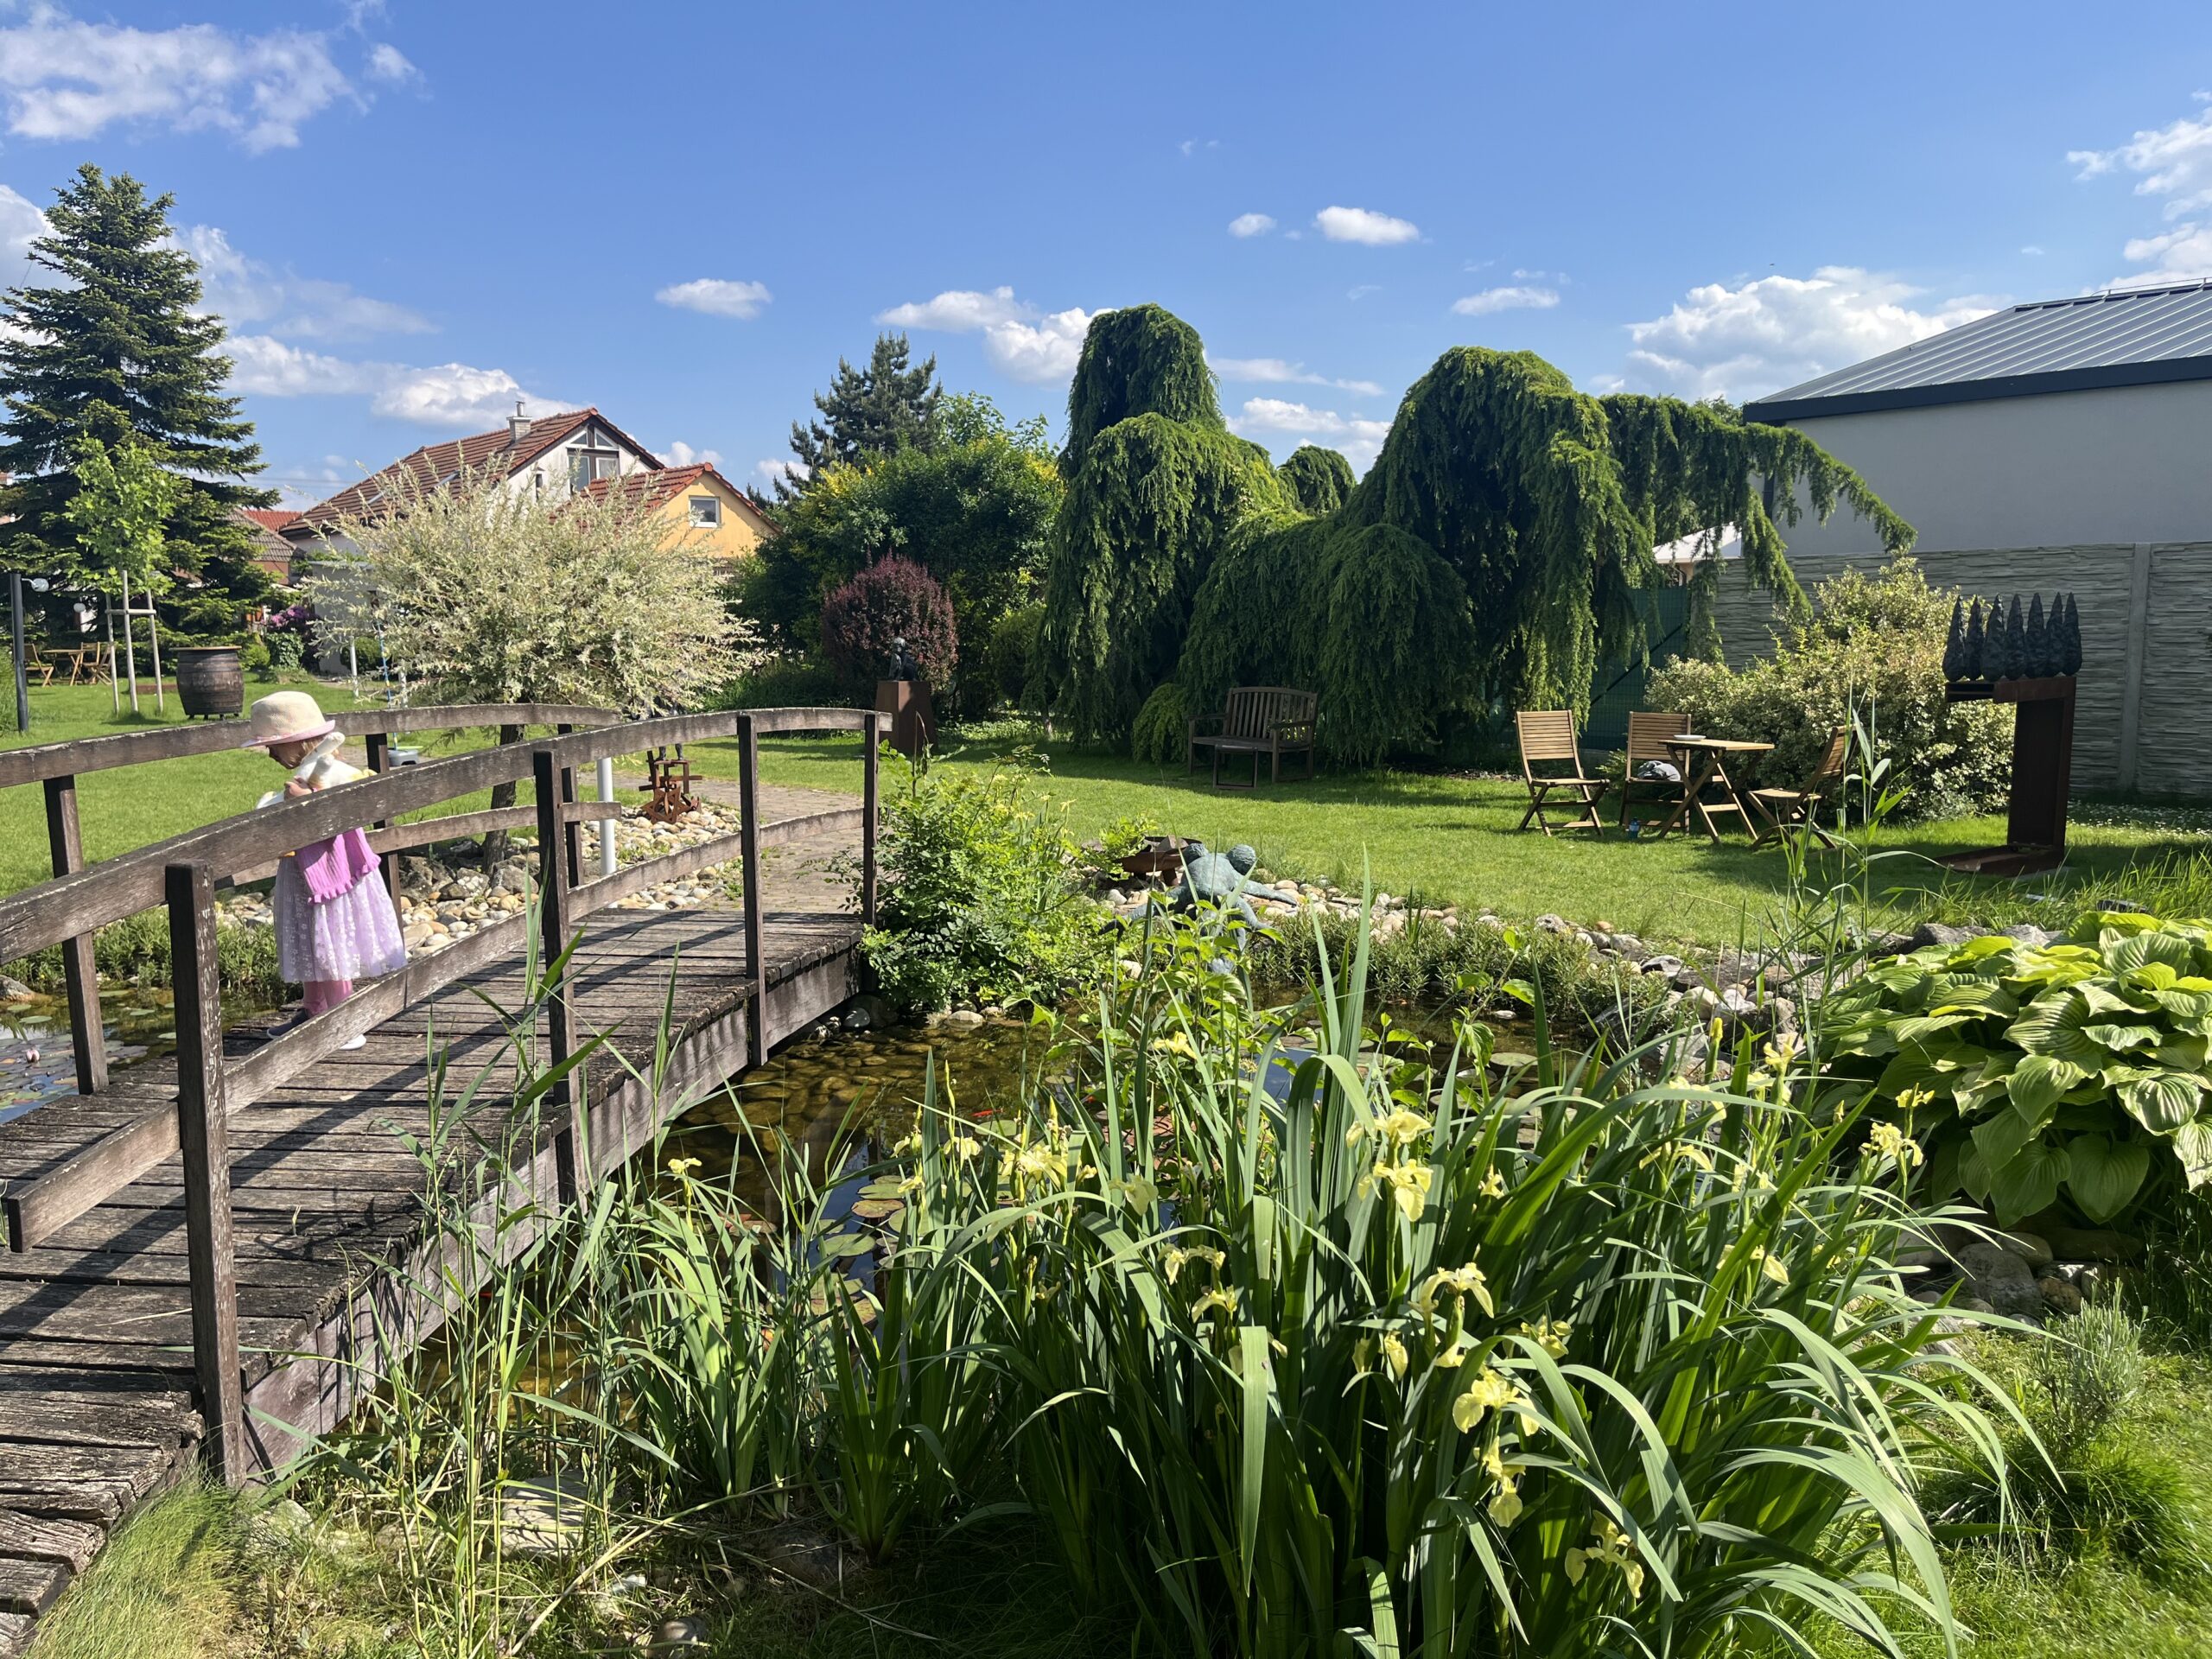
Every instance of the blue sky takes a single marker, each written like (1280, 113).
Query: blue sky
(413, 213)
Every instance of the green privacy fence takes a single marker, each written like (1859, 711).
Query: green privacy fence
(1618, 688)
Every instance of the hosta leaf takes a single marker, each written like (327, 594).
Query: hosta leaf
(2028, 1184)
(2184, 1052)
(2138, 949)
(2155, 976)
(2191, 999)
(1985, 945)
(1983, 996)
(2052, 1025)
(2038, 1081)
(1919, 1028)
(2121, 1038)
(2163, 1101)
(2000, 1137)
(2193, 1146)
(2104, 1179)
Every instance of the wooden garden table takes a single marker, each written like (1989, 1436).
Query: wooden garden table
(1705, 763)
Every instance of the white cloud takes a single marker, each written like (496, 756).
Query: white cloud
(770, 471)
(243, 290)
(957, 310)
(1022, 343)
(1250, 225)
(64, 80)
(1742, 342)
(680, 454)
(1358, 438)
(21, 223)
(1362, 291)
(455, 395)
(1506, 299)
(458, 396)
(1274, 371)
(717, 296)
(2032, 251)
(1361, 225)
(387, 62)
(2174, 162)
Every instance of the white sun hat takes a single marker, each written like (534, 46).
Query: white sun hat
(287, 717)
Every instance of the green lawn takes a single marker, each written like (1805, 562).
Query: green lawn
(1447, 838)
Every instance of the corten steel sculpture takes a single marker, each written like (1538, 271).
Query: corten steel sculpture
(2028, 658)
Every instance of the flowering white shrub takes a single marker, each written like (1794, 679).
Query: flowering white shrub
(482, 594)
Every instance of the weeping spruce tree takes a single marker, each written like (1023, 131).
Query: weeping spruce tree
(1501, 546)
(1156, 485)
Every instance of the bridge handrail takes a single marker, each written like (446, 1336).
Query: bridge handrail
(36, 762)
(181, 871)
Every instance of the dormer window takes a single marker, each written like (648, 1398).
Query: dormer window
(706, 512)
(591, 460)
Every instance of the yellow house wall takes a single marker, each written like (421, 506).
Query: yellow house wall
(737, 536)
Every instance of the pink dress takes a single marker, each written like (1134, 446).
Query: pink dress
(334, 920)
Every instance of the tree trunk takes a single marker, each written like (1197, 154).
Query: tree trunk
(495, 842)
(154, 634)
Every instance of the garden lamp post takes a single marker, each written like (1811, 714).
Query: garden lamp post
(15, 586)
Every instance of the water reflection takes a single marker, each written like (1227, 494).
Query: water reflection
(37, 1062)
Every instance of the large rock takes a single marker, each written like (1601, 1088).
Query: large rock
(2030, 1247)
(1942, 933)
(2027, 933)
(1995, 1276)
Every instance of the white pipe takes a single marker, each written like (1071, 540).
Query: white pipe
(606, 825)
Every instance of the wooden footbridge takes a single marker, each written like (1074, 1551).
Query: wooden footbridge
(198, 1250)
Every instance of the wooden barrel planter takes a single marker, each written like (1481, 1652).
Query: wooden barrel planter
(211, 681)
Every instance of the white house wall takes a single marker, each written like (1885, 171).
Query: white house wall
(553, 464)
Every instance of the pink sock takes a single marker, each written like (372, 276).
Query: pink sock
(321, 996)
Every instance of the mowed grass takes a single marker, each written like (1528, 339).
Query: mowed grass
(1446, 838)
(163, 1588)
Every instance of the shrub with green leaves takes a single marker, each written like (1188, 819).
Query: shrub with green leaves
(978, 898)
(2030, 1073)
(1161, 731)
(1873, 639)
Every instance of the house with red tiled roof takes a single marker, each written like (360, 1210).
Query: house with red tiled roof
(551, 456)
(703, 511)
(270, 550)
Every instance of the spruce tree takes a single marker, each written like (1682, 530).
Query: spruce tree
(117, 349)
(868, 413)
(1954, 645)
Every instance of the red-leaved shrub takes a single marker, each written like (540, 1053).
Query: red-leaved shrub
(892, 599)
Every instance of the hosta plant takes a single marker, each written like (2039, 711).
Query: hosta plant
(2074, 1070)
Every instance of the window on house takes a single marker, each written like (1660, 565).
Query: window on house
(588, 466)
(706, 512)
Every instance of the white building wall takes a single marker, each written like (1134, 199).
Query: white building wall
(2121, 464)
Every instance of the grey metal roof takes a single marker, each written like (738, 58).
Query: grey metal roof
(2130, 337)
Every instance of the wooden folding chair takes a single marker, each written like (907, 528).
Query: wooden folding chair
(1547, 739)
(1647, 740)
(1785, 810)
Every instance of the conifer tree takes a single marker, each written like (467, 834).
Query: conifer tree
(1318, 479)
(1955, 644)
(117, 349)
(868, 413)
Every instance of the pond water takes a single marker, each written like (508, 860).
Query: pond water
(36, 1061)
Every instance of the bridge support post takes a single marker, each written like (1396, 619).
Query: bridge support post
(65, 842)
(203, 1136)
(572, 1137)
(378, 744)
(872, 733)
(756, 971)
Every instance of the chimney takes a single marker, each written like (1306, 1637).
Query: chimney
(518, 426)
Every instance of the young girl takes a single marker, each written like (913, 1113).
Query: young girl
(334, 921)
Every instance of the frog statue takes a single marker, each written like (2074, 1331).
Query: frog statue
(1220, 879)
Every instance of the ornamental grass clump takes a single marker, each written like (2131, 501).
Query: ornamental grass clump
(1314, 1340)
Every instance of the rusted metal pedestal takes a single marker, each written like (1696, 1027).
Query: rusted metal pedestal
(2043, 769)
(913, 722)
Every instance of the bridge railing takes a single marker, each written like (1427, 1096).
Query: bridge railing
(58, 766)
(181, 874)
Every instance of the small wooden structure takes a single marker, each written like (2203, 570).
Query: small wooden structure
(2042, 771)
(1704, 763)
(668, 786)
(1258, 720)
(1547, 739)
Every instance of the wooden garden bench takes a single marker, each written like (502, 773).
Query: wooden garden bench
(1548, 740)
(1270, 719)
